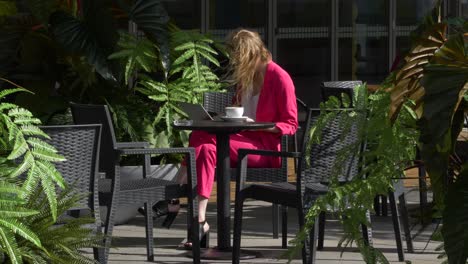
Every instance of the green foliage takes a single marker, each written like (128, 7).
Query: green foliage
(65, 50)
(29, 208)
(185, 82)
(62, 239)
(389, 149)
(446, 83)
(455, 218)
(193, 48)
(7, 8)
(138, 54)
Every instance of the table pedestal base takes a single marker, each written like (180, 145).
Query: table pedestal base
(225, 254)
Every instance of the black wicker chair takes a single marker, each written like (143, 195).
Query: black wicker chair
(115, 191)
(336, 88)
(215, 102)
(79, 144)
(309, 185)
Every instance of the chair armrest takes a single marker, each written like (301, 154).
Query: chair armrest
(145, 151)
(190, 162)
(242, 162)
(137, 144)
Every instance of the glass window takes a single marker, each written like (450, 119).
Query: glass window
(303, 45)
(311, 13)
(363, 40)
(308, 63)
(228, 15)
(186, 14)
(408, 15)
(464, 8)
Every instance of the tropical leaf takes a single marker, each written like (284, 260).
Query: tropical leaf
(7, 8)
(151, 17)
(8, 242)
(139, 53)
(407, 81)
(41, 9)
(21, 230)
(454, 229)
(95, 36)
(445, 81)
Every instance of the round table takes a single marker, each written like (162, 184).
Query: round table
(222, 130)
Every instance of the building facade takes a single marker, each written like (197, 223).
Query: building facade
(318, 40)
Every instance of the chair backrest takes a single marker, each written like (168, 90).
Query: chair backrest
(79, 144)
(215, 102)
(336, 88)
(99, 114)
(338, 134)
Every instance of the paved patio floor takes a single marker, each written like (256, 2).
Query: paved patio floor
(129, 242)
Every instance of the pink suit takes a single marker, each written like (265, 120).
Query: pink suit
(276, 103)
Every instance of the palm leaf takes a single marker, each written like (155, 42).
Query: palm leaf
(455, 216)
(6, 92)
(411, 71)
(41, 9)
(21, 230)
(28, 161)
(94, 37)
(8, 242)
(445, 81)
(19, 148)
(151, 17)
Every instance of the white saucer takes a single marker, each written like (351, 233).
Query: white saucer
(234, 119)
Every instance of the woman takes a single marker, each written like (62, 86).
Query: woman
(267, 94)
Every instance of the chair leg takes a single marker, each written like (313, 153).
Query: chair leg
(275, 219)
(284, 226)
(237, 228)
(309, 250)
(422, 192)
(149, 231)
(396, 226)
(405, 222)
(377, 205)
(367, 231)
(321, 230)
(384, 206)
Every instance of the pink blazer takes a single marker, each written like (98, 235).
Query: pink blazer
(277, 103)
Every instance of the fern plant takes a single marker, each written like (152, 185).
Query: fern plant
(187, 79)
(390, 147)
(22, 139)
(62, 240)
(29, 202)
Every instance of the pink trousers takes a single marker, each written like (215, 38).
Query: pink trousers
(205, 153)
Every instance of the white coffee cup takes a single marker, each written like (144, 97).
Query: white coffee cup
(234, 111)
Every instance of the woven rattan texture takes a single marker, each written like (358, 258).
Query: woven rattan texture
(336, 137)
(77, 146)
(216, 102)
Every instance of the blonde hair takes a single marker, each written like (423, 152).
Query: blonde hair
(246, 49)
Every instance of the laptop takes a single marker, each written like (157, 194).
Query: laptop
(195, 111)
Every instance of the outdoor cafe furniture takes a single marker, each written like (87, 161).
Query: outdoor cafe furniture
(311, 182)
(336, 88)
(79, 144)
(115, 190)
(222, 130)
(215, 102)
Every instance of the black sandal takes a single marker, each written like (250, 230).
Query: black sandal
(202, 235)
(160, 209)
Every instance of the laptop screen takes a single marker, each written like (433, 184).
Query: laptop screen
(195, 111)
